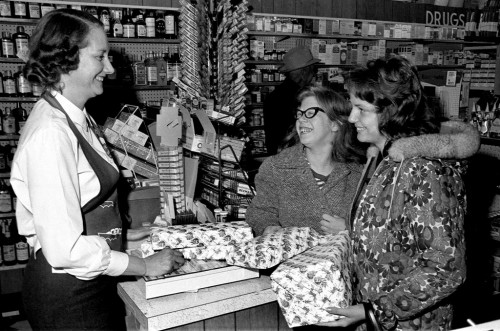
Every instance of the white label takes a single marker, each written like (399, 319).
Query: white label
(22, 251)
(9, 85)
(21, 46)
(5, 8)
(128, 31)
(9, 127)
(9, 253)
(7, 48)
(141, 31)
(20, 8)
(34, 10)
(5, 202)
(169, 25)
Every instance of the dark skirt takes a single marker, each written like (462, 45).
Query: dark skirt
(62, 302)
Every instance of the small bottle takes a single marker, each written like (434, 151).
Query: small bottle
(5, 9)
(140, 26)
(5, 198)
(8, 49)
(36, 89)
(170, 25)
(160, 24)
(117, 24)
(151, 69)
(150, 24)
(162, 70)
(22, 250)
(23, 86)
(139, 72)
(9, 84)
(46, 8)
(128, 27)
(104, 17)
(22, 115)
(92, 10)
(21, 40)
(34, 10)
(20, 9)
(4, 158)
(9, 122)
(8, 248)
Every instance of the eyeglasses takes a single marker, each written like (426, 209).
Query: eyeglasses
(308, 113)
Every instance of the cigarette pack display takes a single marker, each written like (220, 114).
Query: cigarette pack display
(194, 275)
(139, 151)
(269, 250)
(196, 235)
(312, 281)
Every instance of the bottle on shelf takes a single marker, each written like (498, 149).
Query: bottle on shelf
(22, 115)
(4, 157)
(23, 86)
(128, 26)
(117, 28)
(8, 49)
(10, 158)
(125, 71)
(46, 8)
(5, 197)
(162, 69)
(20, 9)
(9, 84)
(150, 24)
(34, 10)
(5, 9)
(1, 87)
(140, 25)
(21, 39)
(104, 17)
(151, 69)
(8, 244)
(160, 23)
(139, 72)
(22, 248)
(36, 89)
(92, 10)
(170, 25)
(8, 122)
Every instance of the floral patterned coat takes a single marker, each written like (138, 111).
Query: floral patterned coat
(408, 240)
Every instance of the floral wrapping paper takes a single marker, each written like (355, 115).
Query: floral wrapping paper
(198, 235)
(314, 280)
(268, 250)
(214, 252)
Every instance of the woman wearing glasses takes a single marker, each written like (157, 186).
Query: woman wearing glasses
(313, 182)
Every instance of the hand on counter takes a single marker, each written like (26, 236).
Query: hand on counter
(347, 316)
(138, 234)
(271, 229)
(163, 262)
(332, 224)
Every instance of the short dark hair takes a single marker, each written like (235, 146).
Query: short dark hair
(394, 88)
(345, 146)
(55, 45)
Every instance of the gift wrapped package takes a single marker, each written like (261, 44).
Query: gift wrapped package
(310, 282)
(268, 250)
(198, 235)
(213, 252)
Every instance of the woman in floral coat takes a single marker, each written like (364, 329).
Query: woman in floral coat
(408, 228)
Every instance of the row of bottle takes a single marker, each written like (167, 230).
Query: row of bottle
(156, 69)
(12, 121)
(17, 85)
(15, 45)
(14, 248)
(117, 22)
(483, 22)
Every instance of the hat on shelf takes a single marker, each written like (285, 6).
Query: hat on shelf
(297, 58)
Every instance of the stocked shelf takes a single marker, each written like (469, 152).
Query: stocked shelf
(144, 40)
(17, 21)
(139, 87)
(18, 99)
(264, 84)
(12, 267)
(11, 60)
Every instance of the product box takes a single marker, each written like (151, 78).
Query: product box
(197, 235)
(139, 151)
(312, 281)
(268, 250)
(126, 131)
(194, 275)
(197, 141)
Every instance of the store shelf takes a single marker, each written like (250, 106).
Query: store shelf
(264, 84)
(11, 60)
(12, 267)
(8, 137)
(144, 40)
(18, 99)
(7, 215)
(139, 87)
(18, 21)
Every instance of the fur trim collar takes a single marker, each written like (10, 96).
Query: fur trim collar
(456, 140)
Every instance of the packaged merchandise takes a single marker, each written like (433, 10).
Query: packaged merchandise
(312, 281)
(269, 250)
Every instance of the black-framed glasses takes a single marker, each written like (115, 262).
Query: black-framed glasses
(308, 113)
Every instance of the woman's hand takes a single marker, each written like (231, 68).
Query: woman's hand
(137, 234)
(348, 316)
(332, 224)
(163, 262)
(271, 229)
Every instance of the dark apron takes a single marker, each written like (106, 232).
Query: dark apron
(61, 301)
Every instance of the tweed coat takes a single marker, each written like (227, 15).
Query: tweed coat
(287, 193)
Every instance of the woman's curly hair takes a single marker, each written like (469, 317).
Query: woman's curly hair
(55, 44)
(394, 88)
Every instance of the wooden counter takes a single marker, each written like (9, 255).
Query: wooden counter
(245, 305)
